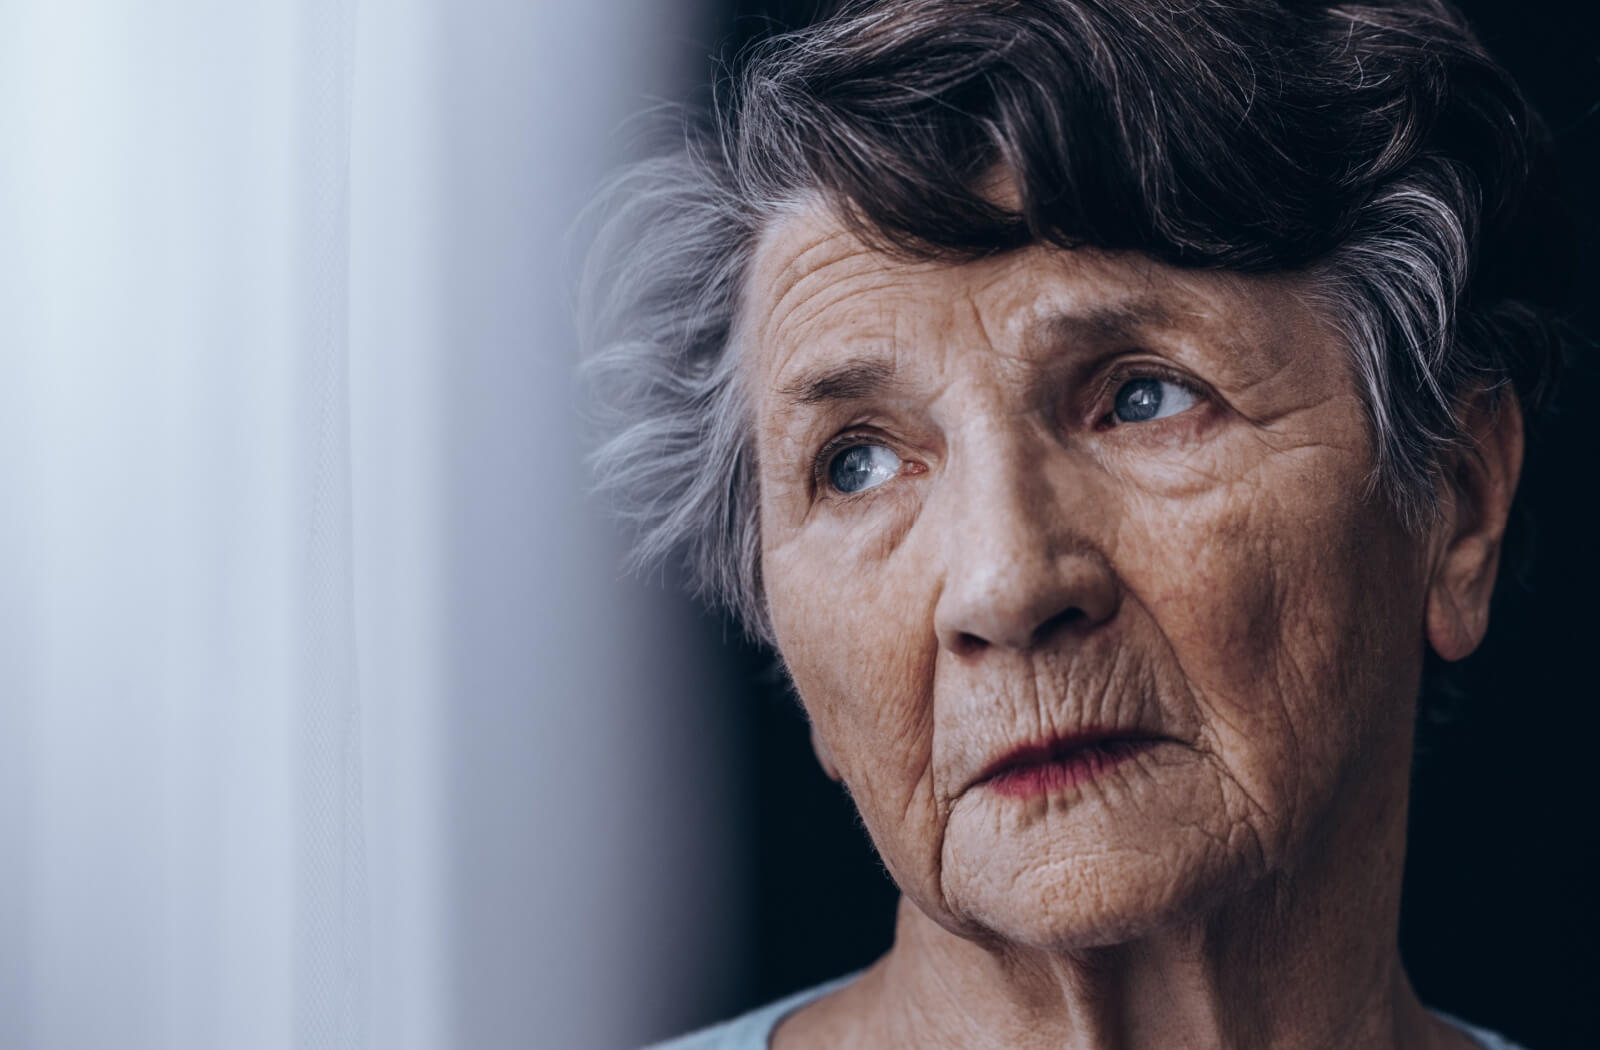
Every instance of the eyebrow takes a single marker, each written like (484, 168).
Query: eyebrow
(1106, 322)
(853, 380)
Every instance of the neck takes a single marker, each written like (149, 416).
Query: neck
(1221, 983)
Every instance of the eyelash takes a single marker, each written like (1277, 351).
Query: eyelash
(1113, 382)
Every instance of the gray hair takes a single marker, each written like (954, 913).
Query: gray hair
(1374, 148)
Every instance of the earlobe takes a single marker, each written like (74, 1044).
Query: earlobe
(1483, 482)
(824, 756)
(1453, 630)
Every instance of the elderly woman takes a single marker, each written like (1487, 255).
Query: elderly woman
(1102, 407)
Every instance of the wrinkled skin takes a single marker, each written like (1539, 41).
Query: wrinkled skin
(1030, 564)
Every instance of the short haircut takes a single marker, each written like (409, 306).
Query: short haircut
(1374, 148)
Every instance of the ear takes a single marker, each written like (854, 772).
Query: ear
(824, 756)
(1479, 485)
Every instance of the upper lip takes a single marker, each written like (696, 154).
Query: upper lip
(1037, 752)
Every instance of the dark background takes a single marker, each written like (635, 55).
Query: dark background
(1498, 922)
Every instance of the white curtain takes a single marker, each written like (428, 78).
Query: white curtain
(325, 720)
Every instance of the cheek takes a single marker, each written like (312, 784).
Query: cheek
(1284, 610)
(859, 647)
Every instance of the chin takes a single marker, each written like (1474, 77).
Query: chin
(1095, 865)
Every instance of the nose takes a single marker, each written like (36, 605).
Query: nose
(1020, 564)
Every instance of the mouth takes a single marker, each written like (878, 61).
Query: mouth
(1036, 769)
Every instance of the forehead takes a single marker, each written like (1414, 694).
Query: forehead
(816, 293)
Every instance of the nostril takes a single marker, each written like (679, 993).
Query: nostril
(967, 644)
(1066, 619)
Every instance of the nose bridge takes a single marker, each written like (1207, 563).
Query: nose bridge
(1018, 559)
(1001, 490)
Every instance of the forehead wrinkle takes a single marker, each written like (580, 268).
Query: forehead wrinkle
(793, 300)
(844, 302)
(833, 291)
(1261, 322)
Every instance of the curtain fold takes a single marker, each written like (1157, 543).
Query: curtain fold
(331, 943)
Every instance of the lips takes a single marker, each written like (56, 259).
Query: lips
(1063, 762)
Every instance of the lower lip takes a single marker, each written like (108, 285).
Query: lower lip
(1078, 767)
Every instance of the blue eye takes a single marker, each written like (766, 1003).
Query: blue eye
(861, 467)
(1147, 398)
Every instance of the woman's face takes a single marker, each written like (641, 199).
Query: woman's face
(1017, 509)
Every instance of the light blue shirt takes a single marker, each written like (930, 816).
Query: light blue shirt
(753, 1031)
